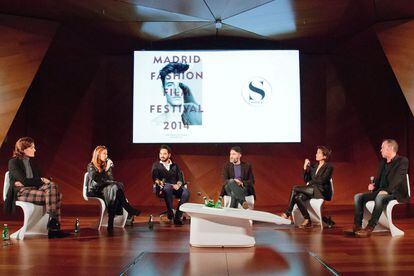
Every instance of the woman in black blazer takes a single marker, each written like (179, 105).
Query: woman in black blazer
(318, 185)
(101, 184)
(27, 184)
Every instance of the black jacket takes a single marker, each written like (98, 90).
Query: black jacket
(17, 172)
(396, 178)
(98, 180)
(246, 175)
(321, 181)
(173, 176)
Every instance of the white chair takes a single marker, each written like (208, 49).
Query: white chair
(119, 221)
(249, 199)
(35, 216)
(385, 222)
(314, 207)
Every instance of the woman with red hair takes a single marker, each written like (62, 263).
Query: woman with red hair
(101, 184)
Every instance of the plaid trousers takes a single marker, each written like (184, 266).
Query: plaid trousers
(47, 195)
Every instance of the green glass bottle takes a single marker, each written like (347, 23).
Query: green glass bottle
(5, 235)
(219, 203)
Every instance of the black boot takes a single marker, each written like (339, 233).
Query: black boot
(111, 217)
(131, 210)
(53, 229)
(177, 218)
(170, 214)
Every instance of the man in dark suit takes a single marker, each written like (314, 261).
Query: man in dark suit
(238, 179)
(390, 183)
(169, 182)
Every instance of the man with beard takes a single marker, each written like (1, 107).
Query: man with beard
(169, 183)
(238, 179)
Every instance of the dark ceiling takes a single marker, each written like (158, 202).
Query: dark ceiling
(167, 20)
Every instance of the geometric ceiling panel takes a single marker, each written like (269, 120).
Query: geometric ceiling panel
(272, 19)
(269, 19)
(226, 8)
(159, 30)
(397, 41)
(152, 15)
(210, 30)
(194, 8)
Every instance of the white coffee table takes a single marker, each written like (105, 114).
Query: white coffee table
(227, 227)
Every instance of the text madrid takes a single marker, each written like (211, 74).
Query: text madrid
(181, 59)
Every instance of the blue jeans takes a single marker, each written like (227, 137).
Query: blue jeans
(381, 202)
(238, 194)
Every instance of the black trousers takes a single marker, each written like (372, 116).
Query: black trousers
(298, 196)
(169, 193)
(116, 208)
(238, 194)
(361, 199)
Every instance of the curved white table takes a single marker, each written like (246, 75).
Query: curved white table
(227, 227)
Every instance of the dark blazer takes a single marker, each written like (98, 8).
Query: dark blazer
(396, 178)
(173, 176)
(321, 181)
(17, 172)
(246, 174)
(98, 180)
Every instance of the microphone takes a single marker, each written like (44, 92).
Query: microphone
(112, 163)
(371, 181)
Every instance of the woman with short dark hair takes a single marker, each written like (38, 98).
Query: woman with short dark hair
(101, 184)
(27, 184)
(318, 185)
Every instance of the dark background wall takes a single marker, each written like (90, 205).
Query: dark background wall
(82, 97)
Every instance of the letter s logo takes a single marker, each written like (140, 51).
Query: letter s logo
(257, 91)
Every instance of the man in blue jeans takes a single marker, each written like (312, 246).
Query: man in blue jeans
(390, 184)
(169, 183)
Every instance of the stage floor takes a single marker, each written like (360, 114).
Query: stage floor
(137, 250)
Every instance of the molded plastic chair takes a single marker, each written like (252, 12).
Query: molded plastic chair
(314, 207)
(35, 216)
(385, 222)
(119, 221)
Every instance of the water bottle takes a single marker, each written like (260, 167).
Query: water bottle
(151, 222)
(77, 225)
(219, 203)
(5, 235)
(210, 203)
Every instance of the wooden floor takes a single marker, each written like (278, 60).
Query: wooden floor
(165, 251)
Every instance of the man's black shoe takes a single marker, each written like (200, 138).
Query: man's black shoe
(178, 222)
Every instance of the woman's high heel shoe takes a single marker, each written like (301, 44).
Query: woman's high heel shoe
(283, 215)
(306, 224)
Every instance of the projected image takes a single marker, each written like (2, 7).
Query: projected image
(216, 96)
(181, 107)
